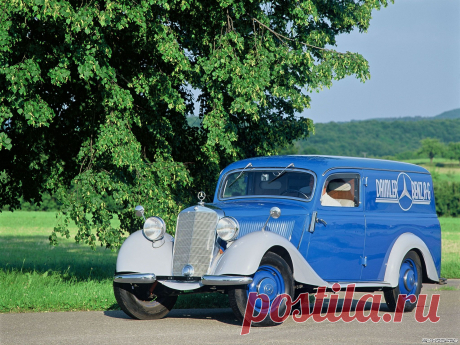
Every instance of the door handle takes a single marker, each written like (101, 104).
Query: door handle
(314, 220)
(322, 221)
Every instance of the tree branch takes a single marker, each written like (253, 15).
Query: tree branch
(290, 39)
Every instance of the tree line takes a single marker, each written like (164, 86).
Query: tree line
(432, 147)
(373, 138)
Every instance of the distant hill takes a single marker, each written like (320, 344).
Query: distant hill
(451, 114)
(376, 138)
(194, 121)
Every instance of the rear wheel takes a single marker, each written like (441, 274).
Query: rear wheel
(273, 277)
(410, 282)
(140, 301)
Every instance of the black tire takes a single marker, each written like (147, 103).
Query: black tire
(137, 301)
(238, 297)
(411, 262)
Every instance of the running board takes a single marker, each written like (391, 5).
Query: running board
(343, 285)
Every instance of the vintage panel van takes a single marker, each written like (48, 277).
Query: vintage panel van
(285, 223)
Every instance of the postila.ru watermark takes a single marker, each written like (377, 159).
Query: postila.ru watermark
(303, 313)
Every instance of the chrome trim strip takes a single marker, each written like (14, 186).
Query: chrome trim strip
(303, 231)
(142, 278)
(226, 280)
(361, 284)
(407, 171)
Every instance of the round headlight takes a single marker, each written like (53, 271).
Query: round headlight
(227, 228)
(154, 228)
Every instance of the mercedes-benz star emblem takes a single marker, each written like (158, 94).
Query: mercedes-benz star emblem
(405, 198)
(201, 196)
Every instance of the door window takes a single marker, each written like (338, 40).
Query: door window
(341, 190)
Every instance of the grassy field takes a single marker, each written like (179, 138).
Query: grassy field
(441, 168)
(35, 276)
(450, 257)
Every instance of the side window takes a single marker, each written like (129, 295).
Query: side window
(341, 190)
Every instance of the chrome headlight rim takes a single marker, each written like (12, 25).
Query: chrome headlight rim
(154, 228)
(224, 225)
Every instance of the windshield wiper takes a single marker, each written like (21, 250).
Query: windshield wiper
(241, 173)
(281, 173)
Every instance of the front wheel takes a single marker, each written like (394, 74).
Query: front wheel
(273, 278)
(140, 302)
(410, 282)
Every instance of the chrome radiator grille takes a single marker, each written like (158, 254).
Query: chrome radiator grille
(195, 240)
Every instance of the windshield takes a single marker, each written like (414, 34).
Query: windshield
(268, 182)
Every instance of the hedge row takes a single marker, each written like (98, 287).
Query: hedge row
(447, 196)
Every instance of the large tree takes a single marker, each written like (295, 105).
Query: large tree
(94, 96)
(431, 147)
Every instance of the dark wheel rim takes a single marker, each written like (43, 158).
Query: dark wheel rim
(269, 281)
(408, 278)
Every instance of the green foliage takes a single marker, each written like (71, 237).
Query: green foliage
(396, 139)
(96, 97)
(47, 203)
(447, 196)
(453, 151)
(431, 147)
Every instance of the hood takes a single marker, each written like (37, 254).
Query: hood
(252, 215)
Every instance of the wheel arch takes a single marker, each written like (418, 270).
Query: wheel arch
(425, 278)
(137, 254)
(281, 251)
(244, 256)
(405, 243)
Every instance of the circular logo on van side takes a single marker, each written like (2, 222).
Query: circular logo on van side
(404, 191)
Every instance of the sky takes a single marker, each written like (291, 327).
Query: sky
(413, 49)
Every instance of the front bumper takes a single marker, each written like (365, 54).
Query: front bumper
(209, 280)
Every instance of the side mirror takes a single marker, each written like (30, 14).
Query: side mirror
(139, 211)
(275, 212)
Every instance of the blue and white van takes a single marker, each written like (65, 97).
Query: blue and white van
(281, 223)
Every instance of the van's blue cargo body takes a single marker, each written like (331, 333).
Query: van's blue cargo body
(285, 223)
(353, 235)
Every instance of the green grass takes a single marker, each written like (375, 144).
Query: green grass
(450, 258)
(32, 290)
(441, 169)
(447, 288)
(35, 276)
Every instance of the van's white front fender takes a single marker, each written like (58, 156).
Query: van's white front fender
(243, 257)
(404, 244)
(138, 254)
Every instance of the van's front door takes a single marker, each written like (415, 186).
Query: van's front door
(336, 239)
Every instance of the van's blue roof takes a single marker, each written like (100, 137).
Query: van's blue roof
(319, 164)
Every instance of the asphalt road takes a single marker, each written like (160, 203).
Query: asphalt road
(218, 326)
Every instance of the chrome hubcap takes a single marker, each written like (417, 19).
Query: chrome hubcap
(409, 280)
(266, 286)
